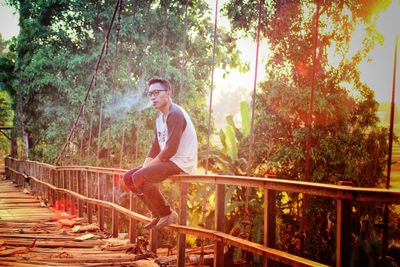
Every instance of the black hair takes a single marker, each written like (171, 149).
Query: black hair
(164, 83)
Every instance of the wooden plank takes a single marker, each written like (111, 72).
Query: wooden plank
(52, 244)
(39, 236)
(29, 237)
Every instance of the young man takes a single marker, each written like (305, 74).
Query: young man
(173, 151)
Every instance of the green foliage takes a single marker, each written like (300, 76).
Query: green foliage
(245, 113)
(230, 142)
(347, 143)
(7, 58)
(58, 47)
(230, 159)
(6, 115)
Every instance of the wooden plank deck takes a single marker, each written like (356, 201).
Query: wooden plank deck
(33, 235)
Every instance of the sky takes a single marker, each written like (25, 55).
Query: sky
(8, 21)
(377, 73)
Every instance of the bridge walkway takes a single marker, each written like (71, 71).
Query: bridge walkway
(32, 234)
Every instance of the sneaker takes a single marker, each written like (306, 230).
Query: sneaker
(167, 220)
(152, 223)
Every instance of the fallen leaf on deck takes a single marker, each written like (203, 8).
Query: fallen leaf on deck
(83, 228)
(85, 237)
(67, 222)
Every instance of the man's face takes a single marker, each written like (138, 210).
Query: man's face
(158, 96)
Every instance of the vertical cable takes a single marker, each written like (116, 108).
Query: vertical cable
(212, 84)
(307, 167)
(183, 60)
(253, 105)
(310, 114)
(115, 76)
(389, 162)
(253, 99)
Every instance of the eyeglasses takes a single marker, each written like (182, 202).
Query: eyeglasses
(154, 93)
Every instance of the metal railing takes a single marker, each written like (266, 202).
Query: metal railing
(81, 190)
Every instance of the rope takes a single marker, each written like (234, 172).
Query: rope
(211, 85)
(92, 82)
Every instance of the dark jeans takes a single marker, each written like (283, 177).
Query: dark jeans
(142, 181)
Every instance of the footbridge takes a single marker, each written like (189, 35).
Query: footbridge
(96, 194)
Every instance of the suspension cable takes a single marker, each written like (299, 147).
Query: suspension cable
(253, 105)
(389, 161)
(253, 101)
(211, 85)
(73, 128)
(183, 60)
(310, 114)
(115, 79)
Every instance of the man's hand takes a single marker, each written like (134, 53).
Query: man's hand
(147, 162)
(150, 161)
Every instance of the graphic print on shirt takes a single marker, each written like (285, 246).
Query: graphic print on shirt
(162, 134)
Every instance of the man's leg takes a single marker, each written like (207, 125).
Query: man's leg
(145, 179)
(128, 180)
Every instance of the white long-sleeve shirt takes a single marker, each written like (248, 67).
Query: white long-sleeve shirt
(175, 139)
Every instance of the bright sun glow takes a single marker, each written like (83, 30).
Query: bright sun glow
(378, 73)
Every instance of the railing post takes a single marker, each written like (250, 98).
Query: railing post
(33, 171)
(44, 188)
(100, 192)
(132, 222)
(71, 188)
(50, 181)
(88, 194)
(115, 195)
(47, 181)
(269, 221)
(55, 183)
(80, 191)
(154, 236)
(343, 230)
(183, 187)
(153, 240)
(219, 224)
(64, 185)
(40, 186)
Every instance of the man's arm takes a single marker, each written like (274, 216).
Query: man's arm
(153, 151)
(176, 124)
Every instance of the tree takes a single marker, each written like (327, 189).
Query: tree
(347, 143)
(7, 58)
(56, 61)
